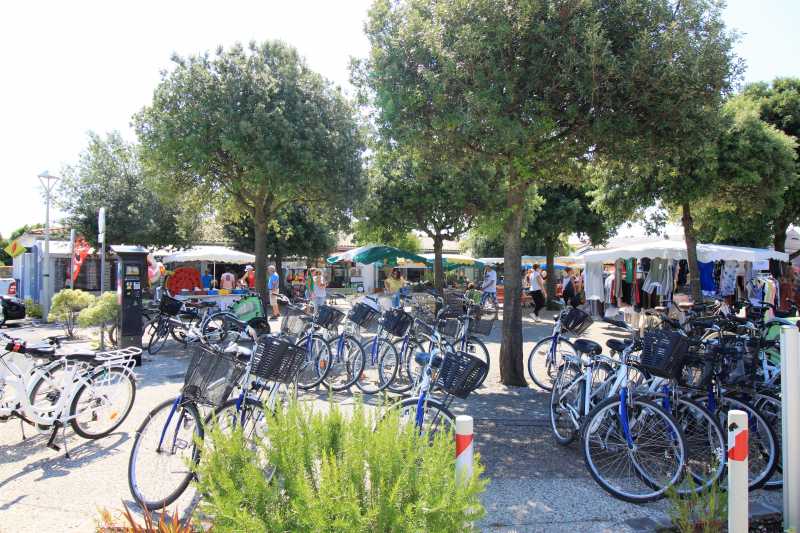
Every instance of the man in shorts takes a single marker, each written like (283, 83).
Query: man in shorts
(273, 286)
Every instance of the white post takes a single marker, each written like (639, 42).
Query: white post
(48, 181)
(463, 449)
(101, 241)
(790, 426)
(71, 258)
(737, 472)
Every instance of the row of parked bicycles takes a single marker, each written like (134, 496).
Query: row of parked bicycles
(239, 373)
(650, 415)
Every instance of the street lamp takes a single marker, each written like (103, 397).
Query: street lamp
(48, 181)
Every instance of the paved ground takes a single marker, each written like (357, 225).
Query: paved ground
(536, 485)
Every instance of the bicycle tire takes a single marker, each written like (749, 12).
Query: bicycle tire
(372, 378)
(249, 416)
(651, 489)
(317, 365)
(216, 328)
(544, 381)
(403, 382)
(95, 381)
(350, 365)
(38, 398)
(771, 408)
(159, 337)
(475, 346)
(435, 411)
(706, 446)
(186, 414)
(568, 374)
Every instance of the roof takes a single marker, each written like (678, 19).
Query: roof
(677, 250)
(217, 254)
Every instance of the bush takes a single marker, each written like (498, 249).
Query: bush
(706, 512)
(32, 309)
(338, 474)
(102, 310)
(108, 524)
(66, 305)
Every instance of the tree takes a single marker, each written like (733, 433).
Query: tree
(256, 130)
(67, 305)
(754, 161)
(109, 174)
(779, 105)
(407, 192)
(364, 233)
(293, 232)
(530, 87)
(6, 259)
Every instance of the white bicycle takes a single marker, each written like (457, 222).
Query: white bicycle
(91, 392)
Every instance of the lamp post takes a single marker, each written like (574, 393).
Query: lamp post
(48, 181)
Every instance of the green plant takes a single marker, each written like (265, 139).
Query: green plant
(337, 473)
(704, 512)
(107, 523)
(32, 309)
(102, 310)
(66, 305)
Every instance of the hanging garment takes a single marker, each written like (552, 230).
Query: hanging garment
(608, 286)
(727, 280)
(683, 270)
(630, 270)
(656, 274)
(619, 266)
(707, 284)
(594, 281)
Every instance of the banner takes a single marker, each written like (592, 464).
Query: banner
(79, 253)
(14, 248)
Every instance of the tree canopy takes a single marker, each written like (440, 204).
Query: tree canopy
(109, 174)
(256, 130)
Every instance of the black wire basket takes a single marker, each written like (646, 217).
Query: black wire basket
(397, 322)
(362, 315)
(293, 322)
(169, 305)
(449, 327)
(211, 376)
(576, 321)
(277, 360)
(329, 317)
(461, 373)
(663, 353)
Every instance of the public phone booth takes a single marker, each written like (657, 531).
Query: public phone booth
(131, 282)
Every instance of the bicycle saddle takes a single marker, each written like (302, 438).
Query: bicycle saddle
(588, 347)
(618, 345)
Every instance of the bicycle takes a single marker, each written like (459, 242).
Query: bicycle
(547, 354)
(462, 327)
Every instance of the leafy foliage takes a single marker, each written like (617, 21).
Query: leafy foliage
(66, 305)
(102, 310)
(703, 512)
(254, 130)
(366, 232)
(108, 524)
(109, 174)
(337, 474)
(32, 309)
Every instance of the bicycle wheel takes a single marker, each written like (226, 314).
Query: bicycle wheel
(249, 417)
(347, 362)
(101, 405)
(46, 389)
(545, 359)
(405, 351)
(475, 346)
(159, 336)
(164, 452)
(637, 465)
(706, 445)
(380, 366)
(432, 419)
(180, 331)
(317, 362)
(566, 403)
(218, 329)
(770, 407)
(413, 368)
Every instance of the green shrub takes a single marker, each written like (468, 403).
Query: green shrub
(66, 305)
(102, 310)
(705, 512)
(338, 474)
(32, 309)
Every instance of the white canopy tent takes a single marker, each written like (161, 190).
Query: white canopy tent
(211, 254)
(677, 250)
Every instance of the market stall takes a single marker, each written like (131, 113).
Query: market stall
(366, 261)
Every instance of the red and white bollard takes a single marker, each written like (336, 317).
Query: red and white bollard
(738, 445)
(464, 449)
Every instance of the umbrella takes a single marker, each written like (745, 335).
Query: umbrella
(375, 253)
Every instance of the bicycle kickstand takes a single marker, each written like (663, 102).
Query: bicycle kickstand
(51, 442)
(22, 429)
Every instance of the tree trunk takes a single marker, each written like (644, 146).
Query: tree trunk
(512, 371)
(691, 252)
(279, 270)
(779, 240)
(260, 223)
(438, 268)
(550, 253)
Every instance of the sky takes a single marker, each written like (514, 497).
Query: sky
(74, 67)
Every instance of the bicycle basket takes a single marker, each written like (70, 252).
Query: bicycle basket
(449, 327)
(211, 376)
(397, 322)
(292, 323)
(663, 353)
(362, 315)
(329, 317)
(461, 373)
(169, 305)
(576, 321)
(277, 360)
(482, 325)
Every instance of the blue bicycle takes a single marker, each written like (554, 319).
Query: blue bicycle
(549, 353)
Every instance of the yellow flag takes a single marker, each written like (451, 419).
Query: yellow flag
(14, 248)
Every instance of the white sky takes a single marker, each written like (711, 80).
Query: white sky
(72, 67)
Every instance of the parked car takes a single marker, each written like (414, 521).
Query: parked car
(13, 308)
(8, 286)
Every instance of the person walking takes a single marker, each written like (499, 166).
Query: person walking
(274, 287)
(393, 284)
(569, 291)
(489, 286)
(319, 289)
(538, 291)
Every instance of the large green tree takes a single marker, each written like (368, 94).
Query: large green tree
(779, 105)
(409, 191)
(257, 130)
(109, 174)
(528, 87)
(752, 174)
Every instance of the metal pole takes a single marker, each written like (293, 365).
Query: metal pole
(464, 449)
(101, 238)
(46, 265)
(790, 426)
(71, 258)
(738, 498)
